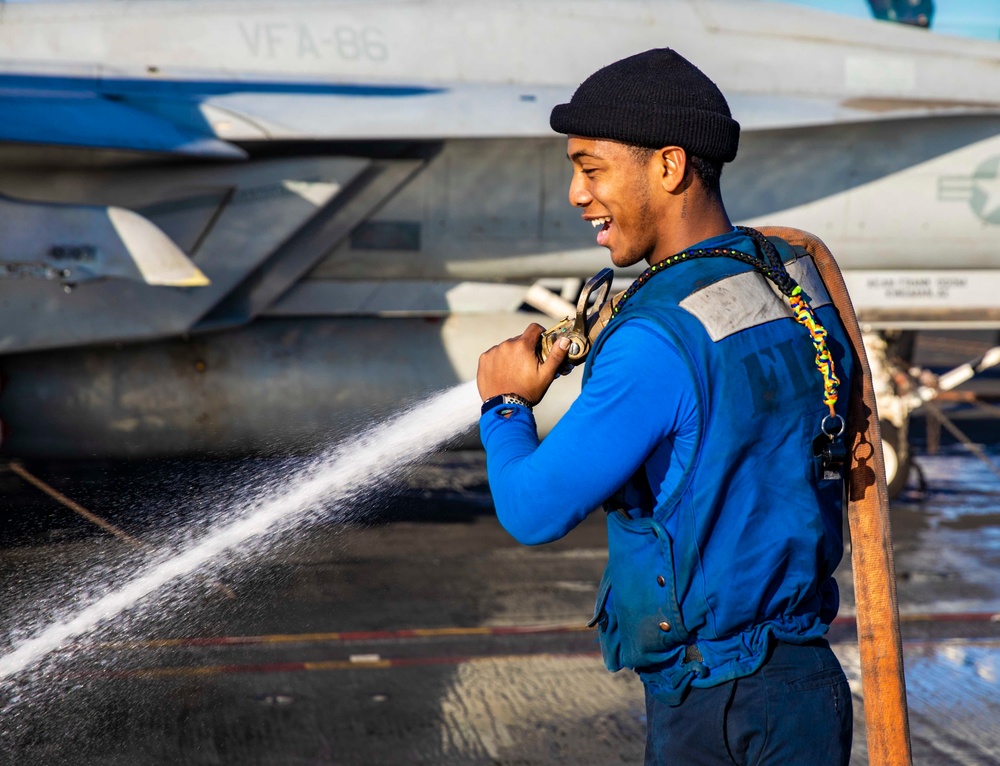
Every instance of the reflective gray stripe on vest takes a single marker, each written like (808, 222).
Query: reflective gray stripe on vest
(746, 300)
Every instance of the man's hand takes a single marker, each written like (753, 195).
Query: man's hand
(513, 367)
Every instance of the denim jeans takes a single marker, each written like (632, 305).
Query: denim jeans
(795, 711)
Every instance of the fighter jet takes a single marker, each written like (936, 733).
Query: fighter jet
(236, 226)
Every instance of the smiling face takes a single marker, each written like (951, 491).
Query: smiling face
(616, 189)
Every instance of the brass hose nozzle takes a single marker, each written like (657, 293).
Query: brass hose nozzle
(592, 315)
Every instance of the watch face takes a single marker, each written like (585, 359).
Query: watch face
(501, 400)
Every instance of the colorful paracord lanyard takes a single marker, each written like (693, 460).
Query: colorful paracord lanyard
(772, 267)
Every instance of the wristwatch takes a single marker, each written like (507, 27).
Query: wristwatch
(496, 401)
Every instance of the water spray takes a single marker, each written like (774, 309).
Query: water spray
(354, 465)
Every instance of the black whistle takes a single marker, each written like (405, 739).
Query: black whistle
(829, 447)
(833, 456)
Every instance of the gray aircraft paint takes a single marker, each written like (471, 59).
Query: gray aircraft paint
(389, 166)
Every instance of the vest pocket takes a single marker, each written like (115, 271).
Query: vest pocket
(641, 576)
(607, 625)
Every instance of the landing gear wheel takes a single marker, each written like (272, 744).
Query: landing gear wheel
(896, 452)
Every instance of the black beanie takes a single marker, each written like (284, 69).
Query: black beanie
(657, 98)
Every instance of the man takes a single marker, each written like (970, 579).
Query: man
(703, 415)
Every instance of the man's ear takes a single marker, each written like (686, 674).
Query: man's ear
(672, 167)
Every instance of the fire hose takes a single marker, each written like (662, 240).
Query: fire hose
(882, 681)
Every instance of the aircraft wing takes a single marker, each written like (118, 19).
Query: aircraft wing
(379, 112)
(200, 118)
(80, 117)
(196, 117)
(501, 110)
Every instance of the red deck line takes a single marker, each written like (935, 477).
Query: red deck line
(345, 636)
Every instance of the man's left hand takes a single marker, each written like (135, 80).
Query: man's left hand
(513, 367)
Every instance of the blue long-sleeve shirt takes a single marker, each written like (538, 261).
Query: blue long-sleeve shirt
(638, 405)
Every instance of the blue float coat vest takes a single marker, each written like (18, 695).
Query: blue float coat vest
(743, 551)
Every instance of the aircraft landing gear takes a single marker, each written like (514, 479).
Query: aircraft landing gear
(897, 455)
(900, 389)
(893, 410)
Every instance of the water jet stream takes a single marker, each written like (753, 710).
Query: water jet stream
(352, 466)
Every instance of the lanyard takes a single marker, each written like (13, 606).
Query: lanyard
(773, 268)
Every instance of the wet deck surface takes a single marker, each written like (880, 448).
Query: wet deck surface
(424, 635)
(464, 688)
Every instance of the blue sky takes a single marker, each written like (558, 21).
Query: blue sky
(967, 18)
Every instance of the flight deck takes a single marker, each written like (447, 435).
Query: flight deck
(420, 633)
